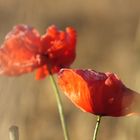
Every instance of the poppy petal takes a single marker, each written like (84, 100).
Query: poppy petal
(20, 51)
(59, 46)
(57, 49)
(42, 72)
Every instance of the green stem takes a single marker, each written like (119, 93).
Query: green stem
(60, 107)
(96, 127)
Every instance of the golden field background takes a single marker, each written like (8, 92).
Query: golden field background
(108, 40)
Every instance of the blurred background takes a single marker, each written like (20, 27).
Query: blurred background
(108, 40)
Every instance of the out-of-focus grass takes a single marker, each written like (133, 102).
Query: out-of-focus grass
(108, 40)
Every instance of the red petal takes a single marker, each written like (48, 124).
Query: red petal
(74, 86)
(20, 51)
(42, 72)
(59, 46)
(98, 93)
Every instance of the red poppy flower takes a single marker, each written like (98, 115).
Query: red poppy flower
(59, 47)
(24, 50)
(98, 93)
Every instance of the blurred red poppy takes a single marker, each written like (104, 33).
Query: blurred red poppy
(24, 50)
(98, 93)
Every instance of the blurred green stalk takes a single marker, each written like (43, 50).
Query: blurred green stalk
(96, 128)
(13, 133)
(60, 107)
